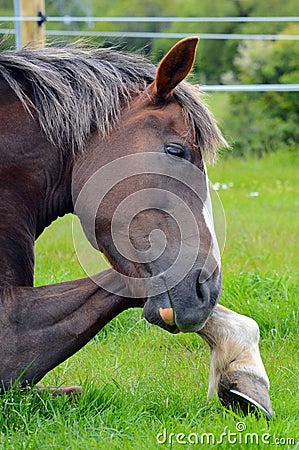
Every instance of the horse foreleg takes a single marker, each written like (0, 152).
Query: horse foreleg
(41, 327)
(236, 368)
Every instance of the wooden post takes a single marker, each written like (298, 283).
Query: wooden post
(32, 33)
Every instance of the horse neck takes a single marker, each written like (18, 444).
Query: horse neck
(35, 184)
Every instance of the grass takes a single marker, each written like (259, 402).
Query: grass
(261, 207)
(139, 380)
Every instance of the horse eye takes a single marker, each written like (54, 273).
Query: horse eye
(174, 150)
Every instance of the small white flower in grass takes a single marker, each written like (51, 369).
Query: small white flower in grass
(216, 186)
(221, 186)
(253, 194)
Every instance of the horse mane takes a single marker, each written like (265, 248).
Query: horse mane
(75, 91)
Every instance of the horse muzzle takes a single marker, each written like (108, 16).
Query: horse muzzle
(187, 306)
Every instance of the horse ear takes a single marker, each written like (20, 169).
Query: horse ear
(175, 66)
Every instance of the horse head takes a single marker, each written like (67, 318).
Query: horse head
(142, 195)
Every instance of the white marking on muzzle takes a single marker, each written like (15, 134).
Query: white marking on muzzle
(208, 217)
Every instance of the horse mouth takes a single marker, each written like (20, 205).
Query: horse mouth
(179, 312)
(159, 311)
(168, 315)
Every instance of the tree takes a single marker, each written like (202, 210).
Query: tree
(265, 121)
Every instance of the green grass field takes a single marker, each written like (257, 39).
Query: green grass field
(139, 380)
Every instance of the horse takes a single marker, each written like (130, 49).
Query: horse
(108, 136)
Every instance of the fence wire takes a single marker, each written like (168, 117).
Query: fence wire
(158, 35)
(71, 19)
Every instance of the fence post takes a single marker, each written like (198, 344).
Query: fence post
(30, 33)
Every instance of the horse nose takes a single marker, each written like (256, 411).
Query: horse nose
(208, 287)
(195, 311)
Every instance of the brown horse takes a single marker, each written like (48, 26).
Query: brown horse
(106, 136)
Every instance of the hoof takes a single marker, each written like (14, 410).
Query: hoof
(73, 392)
(245, 392)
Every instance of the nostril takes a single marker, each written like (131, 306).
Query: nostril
(203, 291)
(208, 287)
